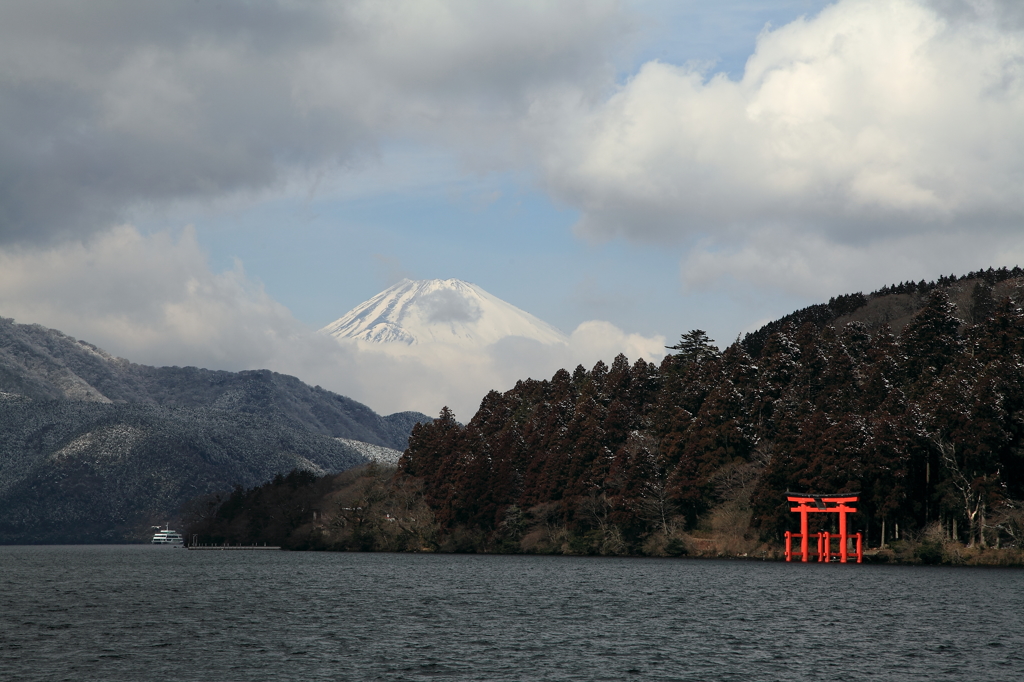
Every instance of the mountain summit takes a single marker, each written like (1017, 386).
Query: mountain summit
(447, 311)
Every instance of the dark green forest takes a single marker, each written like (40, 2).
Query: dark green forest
(923, 417)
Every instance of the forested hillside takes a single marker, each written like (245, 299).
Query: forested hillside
(94, 448)
(927, 424)
(46, 364)
(80, 472)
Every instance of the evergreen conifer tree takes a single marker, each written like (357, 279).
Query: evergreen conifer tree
(695, 347)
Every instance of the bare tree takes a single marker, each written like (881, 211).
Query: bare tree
(970, 491)
(596, 510)
(1008, 518)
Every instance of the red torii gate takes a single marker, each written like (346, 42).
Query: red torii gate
(840, 503)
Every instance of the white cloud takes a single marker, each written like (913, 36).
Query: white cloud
(595, 340)
(875, 141)
(855, 130)
(149, 298)
(154, 300)
(427, 376)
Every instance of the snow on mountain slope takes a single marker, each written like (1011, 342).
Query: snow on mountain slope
(446, 311)
(425, 344)
(374, 453)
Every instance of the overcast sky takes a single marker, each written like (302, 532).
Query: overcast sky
(203, 183)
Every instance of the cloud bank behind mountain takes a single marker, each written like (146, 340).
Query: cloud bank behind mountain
(155, 300)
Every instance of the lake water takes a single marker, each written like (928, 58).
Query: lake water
(144, 613)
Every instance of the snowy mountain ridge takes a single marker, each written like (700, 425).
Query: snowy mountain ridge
(446, 311)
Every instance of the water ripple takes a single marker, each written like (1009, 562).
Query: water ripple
(131, 613)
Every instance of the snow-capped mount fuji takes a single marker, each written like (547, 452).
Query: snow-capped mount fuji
(445, 311)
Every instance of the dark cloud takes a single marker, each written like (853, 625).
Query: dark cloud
(108, 105)
(1007, 13)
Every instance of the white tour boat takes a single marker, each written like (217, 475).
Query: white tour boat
(166, 536)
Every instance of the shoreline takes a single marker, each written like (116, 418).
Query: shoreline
(963, 557)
